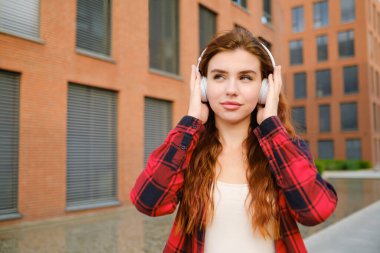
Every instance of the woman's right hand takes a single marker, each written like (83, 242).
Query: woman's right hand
(197, 109)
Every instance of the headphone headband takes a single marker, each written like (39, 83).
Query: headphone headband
(269, 53)
(200, 58)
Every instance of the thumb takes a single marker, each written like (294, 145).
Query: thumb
(260, 113)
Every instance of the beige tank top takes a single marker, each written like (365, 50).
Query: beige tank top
(230, 230)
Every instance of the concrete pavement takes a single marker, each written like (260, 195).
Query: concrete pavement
(362, 174)
(359, 232)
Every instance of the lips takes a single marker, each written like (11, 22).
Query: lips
(231, 105)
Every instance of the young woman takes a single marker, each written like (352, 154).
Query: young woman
(241, 176)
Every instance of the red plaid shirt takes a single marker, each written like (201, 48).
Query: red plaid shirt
(303, 195)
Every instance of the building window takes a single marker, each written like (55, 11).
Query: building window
(322, 50)
(164, 36)
(299, 85)
(242, 3)
(346, 43)
(378, 117)
(370, 45)
(267, 11)
(326, 149)
(20, 18)
(207, 26)
(353, 149)
(377, 87)
(349, 116)
(324, 118)
(9, 139)
(298, 19)
(374, 15)
(299, 119)
(347, 10)
(157, 124)
(371, 80)
(94, 26)
(92, 153)
(378, 22)
(296, 52)
(374, 116)
(321, 14)
(323, 79)
(350, 76)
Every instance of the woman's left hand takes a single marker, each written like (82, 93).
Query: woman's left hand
(273, 96)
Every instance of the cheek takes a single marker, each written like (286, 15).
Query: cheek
(251, 94)
(214, 91)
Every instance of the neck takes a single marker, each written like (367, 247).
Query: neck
(232, 135)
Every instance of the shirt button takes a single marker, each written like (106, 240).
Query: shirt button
(183, 147)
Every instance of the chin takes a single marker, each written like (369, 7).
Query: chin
(232, 117)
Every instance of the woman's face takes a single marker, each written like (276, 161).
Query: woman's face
(233, 85)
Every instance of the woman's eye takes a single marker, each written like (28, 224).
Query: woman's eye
(218, 77)
(246, 78)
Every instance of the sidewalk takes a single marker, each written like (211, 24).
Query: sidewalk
(362, 174)
(359, 232)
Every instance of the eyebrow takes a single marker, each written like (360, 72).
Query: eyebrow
(240, 72)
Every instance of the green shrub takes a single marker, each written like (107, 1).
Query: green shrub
(323, 165)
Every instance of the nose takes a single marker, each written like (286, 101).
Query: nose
(232, 87)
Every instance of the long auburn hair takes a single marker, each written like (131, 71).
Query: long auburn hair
(196, 208)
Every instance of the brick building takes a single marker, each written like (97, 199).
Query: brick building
(88, 90)
(331, 68)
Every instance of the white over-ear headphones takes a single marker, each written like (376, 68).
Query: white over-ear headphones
(264, 83)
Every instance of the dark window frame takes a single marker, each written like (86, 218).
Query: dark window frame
(296, 52)
(349, 109)
(267, 11)
(320, 14)
(346, 43)
(202, 40)
(354, 142)
(323, 87)
(89, 39)
(10, 142)
(298, 19)
(241, 3)
(322, 149)
(324, 110)
(348, 86)
(322, 48)
(300, 83)
(164, 40)
(299, 111)
(93, 111)
(20, 19)
(351, 9)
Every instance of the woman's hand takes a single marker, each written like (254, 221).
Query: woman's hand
(273, 96)
(197, 109)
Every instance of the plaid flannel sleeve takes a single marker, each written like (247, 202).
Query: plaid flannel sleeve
(157, 190)
(310, 198)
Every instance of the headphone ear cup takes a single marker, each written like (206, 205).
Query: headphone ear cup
(263, 91)
(204, 89)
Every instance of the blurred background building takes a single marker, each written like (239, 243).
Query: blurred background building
(332, 75)
(88, 88)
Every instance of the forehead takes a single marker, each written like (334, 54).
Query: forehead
(235, 60)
